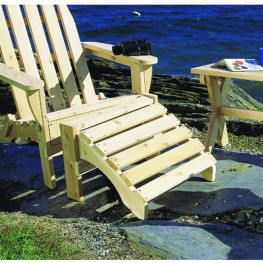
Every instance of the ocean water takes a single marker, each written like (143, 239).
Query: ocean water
(181, 36)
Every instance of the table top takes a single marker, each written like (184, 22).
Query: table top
(212, 70)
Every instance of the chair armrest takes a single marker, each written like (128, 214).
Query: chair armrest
(34, 88)
(141, 66)
(105, 51)
(20, 79)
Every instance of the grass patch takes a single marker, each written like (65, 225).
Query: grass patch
(24, 237)
(239, 143)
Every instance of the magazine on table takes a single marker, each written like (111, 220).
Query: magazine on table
(239, 64)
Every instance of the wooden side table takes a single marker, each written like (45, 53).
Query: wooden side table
(217, 81)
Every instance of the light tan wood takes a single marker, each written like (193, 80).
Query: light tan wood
(157, 164)
(85, 116)
(214, 93)
(130, 196)
(210, 70)
(125, 182)
(71, 159)
(222, 136)
(147, 76)
(29, 96)
(83, 109)
(22, 40)
(218, 81)
(124, 122)
(61, 54)
(105, 114)
(217, 93)
(133, 128)
(45, 58)
(14, 128)
(141, 76)
(9, 58)
(149, 147)
(176, 176)
(242, 113)
(136, 135)
(20, 79)
(212, 132)
(209, 174)
(77, 55)
(47, 165)
(105, 51)
(141, 66)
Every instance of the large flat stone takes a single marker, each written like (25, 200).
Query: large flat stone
(235, 187)
(238, 184)
(22, 187)
(172, 240)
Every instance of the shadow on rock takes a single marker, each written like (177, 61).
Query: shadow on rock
(22, 188)
(206, 203)
(238, 157)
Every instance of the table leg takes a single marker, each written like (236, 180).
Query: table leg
(217, 90)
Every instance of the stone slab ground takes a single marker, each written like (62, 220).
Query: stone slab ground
(239, 186)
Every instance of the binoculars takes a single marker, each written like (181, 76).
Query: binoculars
(132, 48)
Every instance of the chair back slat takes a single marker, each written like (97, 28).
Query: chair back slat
(61, 55)
(44, 42)
(77, 55)
(44, 56)
(22, 41)
(8, 56)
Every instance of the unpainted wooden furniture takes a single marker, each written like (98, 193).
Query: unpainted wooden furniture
(44, 62)
(217, 81)
(142, 150)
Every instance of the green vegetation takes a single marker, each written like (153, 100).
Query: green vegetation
(238, 143)
(24, 237)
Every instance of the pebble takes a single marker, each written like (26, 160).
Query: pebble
(102, 240)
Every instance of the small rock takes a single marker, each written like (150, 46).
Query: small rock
(241, 218)
(248, 214)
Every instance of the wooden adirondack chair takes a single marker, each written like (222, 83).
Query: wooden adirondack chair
(44, 63)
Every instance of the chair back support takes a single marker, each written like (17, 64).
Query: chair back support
(43, 41)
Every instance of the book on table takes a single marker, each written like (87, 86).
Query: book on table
(239, 64)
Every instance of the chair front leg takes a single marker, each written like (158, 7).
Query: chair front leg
(47, 165)
(141, 77)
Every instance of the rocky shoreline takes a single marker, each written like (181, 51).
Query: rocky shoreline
(111, 234)
(183, 96)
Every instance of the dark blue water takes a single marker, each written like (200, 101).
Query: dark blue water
(180, 36)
